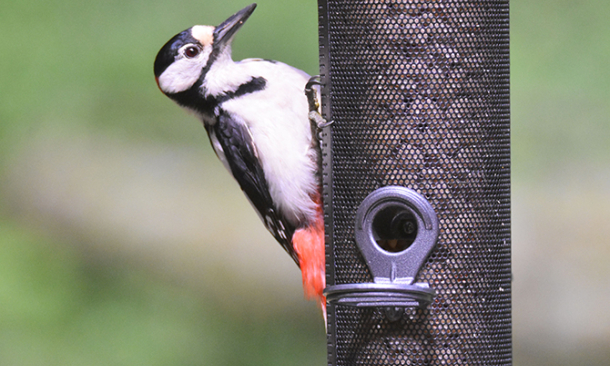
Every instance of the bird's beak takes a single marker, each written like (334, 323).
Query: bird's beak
(225, 31)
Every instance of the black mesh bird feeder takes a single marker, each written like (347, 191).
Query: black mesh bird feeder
(416, 166)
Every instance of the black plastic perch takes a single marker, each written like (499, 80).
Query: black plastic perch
(416, 180)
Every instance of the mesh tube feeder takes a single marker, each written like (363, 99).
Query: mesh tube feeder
(416, 181)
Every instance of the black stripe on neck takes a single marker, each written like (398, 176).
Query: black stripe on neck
(193, 97)
(254, 85)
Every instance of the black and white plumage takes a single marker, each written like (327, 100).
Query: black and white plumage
(256, 114)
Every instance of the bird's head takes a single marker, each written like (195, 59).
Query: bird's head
(185, 59)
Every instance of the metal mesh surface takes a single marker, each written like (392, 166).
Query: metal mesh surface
(418, 92)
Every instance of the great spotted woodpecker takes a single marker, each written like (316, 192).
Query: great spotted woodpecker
(257, 117)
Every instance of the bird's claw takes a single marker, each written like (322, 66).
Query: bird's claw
(314, 106)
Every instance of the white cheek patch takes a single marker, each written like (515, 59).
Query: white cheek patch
(179, 76)
(183, 73)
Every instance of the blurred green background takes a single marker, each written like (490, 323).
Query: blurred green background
(123, 241)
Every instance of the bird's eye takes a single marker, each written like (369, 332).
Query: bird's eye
(191, 51)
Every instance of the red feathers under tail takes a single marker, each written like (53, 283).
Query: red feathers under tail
(308, 243)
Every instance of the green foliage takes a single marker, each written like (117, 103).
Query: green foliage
(58, 308)
(559, 86)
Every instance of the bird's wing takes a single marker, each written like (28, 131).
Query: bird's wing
(232, 137)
